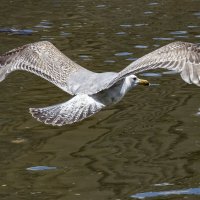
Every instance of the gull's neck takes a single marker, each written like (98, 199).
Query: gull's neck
(126, 86)
(115, 93)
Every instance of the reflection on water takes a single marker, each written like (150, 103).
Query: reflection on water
(163, 39)
(150, 137)
(148, 74)
(16, 32)
(40, 168)
(190, 191)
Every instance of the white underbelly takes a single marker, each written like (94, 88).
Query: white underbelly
(111, 95)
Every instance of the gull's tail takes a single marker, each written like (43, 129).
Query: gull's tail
(74, 110)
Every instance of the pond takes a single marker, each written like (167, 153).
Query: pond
(146, 146)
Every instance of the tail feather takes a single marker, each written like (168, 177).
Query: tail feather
(74, 110)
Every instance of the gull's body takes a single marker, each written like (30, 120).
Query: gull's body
(93, 91)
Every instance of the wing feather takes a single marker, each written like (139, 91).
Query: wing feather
(74, 110)
(46, 61)
(42, 59)
(182, 57)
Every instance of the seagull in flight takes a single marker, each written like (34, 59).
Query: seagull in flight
(93, 91)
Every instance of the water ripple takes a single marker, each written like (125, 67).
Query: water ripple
(40, 168)
(141, 46)
(148, 12)
(126, 25)
(123, 54)
(153, 3)
(132, 59)
(151, 74)
(109, 61)
(64, 34)
(120, 33)
(162, 184)
(14, 31)
(193, 26)
(178, 32)
(196, 13)
(163, 38)
(138, 25)
(190, 191)
(101, 6)
(44, 25)
(85, 57)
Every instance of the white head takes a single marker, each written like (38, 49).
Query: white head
(133, 81)
(130, 82)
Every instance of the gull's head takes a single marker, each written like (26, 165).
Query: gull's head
(134, 80)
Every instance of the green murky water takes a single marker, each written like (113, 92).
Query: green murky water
(150, 141)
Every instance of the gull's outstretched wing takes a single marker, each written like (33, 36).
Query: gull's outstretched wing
(74, 110)
(45, 60)
(182, 57)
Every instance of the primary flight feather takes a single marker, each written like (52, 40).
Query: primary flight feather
(93, 91)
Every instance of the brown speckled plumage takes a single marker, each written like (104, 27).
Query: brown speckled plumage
(42, 59)
(182, 57)
(93, 90)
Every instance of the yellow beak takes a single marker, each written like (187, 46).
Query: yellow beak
(143, 82)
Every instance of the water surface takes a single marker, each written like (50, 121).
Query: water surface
(150, 138)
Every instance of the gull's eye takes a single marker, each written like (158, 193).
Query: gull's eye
(134, 78)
